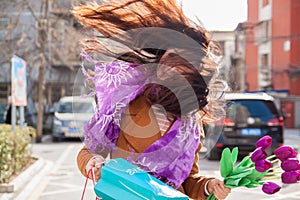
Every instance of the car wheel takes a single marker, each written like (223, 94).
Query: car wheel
(56, 139)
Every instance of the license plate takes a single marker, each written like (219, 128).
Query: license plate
(74, 130)
(251, 132)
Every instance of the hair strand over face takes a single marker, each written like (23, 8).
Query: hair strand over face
(116, 20)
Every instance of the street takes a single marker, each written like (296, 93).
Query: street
(100, 67)
(64, 181)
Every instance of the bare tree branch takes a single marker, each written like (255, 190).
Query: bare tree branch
(44, 39)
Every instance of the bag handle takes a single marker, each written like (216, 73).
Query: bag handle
(92, 172)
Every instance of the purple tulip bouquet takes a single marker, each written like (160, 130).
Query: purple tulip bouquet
(258, 169)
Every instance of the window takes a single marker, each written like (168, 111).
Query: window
(4, 91)
(265, 61)
(263, 31)
(3, 28)
(222, 46)
(59, 33)
(54, 91)
(265, 71)
(265, 3)
(3, 23)
(75, 107)
(260, 110)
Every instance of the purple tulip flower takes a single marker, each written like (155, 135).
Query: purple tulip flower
(285, 152)
(290, 177)
(291, 164)
(264, 142)
(262, 165)
(258, 154)
(270, 188)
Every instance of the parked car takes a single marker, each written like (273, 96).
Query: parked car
(249, 116)
(70, 116)
(3, 108)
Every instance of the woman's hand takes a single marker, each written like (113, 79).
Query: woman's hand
(95, 162)
(217, 186)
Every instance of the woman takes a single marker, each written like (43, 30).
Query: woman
(155, 83)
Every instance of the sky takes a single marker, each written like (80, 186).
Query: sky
(216, 14)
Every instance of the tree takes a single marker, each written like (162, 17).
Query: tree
(43, 34)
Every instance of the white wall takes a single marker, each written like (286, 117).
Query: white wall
(228, 37)
(297, 114)
(265, 13)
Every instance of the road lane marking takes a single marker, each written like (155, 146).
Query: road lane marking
(31, 187)
(62, 158)
(38, 191)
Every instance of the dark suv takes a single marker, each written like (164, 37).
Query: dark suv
(249, 116)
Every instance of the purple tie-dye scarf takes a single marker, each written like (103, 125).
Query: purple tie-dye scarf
(170, 158)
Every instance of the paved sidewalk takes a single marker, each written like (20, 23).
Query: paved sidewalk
(25, 183)
(55, 176)
(64, 180)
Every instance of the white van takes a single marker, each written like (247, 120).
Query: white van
(71, 114)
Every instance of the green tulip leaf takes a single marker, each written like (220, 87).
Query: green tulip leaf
(252, 185)
(230, 182)
(226, 164)
(255, 175)
(239, 169)
(246, 162)
(245, 181)
(240, 175)
(210, 196)
(254, 182)
(234, 155)
(260, 182)
(231, 186)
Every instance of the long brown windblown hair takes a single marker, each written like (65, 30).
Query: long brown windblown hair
(124, 21)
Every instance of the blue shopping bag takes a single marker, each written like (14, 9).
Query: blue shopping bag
(121, 180)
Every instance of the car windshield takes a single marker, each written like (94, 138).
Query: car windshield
(75, 107)
(241, 110)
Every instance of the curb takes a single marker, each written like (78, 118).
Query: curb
(25, 182)
(16, 183)
(292, 133)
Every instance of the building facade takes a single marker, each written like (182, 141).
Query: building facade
(272, 52)
(225, 40)
(21, 28)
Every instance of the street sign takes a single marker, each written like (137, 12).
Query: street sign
(18, 81)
